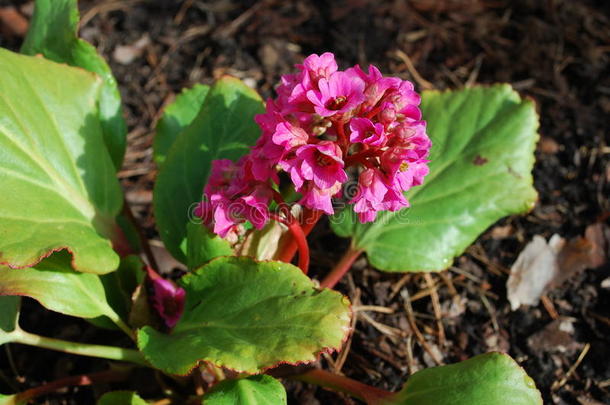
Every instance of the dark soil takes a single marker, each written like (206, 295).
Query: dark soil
(556, 52)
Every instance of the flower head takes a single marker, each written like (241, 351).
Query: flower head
(325, 125)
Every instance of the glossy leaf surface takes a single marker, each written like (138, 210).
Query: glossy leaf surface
(480, 171)
(58, 288)
(248, 316)
(61, 188)
(223, 128)
(203, 246)
(177, 116)
(490, 379)
(254, 390)
(53, 33)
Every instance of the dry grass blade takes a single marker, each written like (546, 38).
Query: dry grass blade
(418, 335)
(560, 383)
(436, 306)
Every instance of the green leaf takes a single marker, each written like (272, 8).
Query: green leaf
(63, 189)
(203, 246)
(121, 398)
(480, 171)
(59, 288)
(53, 33)
(490, 379)
(248, 316)
(254, 390)
(223, 128)
(177, 116)
(119, 287)
(9, 312)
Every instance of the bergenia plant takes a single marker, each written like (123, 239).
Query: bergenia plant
(412, 180)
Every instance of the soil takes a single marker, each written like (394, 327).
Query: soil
(557, 52)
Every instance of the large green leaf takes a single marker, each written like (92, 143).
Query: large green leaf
(53, 33)
(177, 116)
(59, 288)
(9, 313)
(121, 398)
(248, 316)
(480, 171)
(62, 192)
(254, 390)
(203, 246)
(223, 128)
(489, 379)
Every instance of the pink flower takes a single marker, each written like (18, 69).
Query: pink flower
(376, 85)
(254, 206)
(263, 157)
(319, 199)
(289, 136)
(319, 67)
(411, 174)
(222, 174)
(405, 100)
(363, 130)
(339, 94)
(167, 299)
(233, 195)
(372, 189)
(320, 163)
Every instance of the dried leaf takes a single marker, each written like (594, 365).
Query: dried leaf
(542, 266)
(557, 336)
(125, 54)
(535, 268)
(579, 254)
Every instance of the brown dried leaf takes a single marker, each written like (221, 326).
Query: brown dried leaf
(581, 253)
(542, 266)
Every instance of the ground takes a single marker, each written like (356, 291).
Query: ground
(557, 52)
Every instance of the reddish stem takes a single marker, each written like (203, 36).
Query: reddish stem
(358, 157)
(77, 380)
(374, 112)
(343, 141)
(298, 236)
(290, 247)
(341, 268)
(371, 395)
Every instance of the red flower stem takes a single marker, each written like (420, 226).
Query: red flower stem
(341, 268)
(77, 380)
(374, 112)
(310, 219)
(358, 157)
(343, 141)
(299, 236)
(371, 395)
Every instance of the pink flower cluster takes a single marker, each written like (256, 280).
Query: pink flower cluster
(325, 123)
